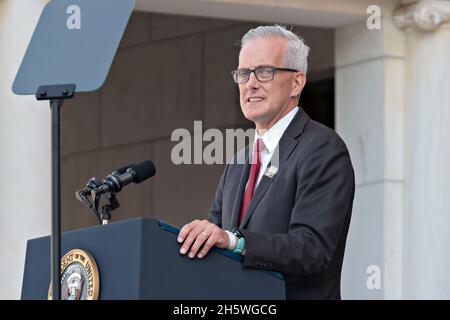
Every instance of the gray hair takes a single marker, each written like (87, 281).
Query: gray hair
(297, 51)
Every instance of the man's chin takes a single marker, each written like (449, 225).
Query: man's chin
(252, 117)
(254, 114)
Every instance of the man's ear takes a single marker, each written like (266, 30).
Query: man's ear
(299, 84)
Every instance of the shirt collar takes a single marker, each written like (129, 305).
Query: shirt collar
(272, 136)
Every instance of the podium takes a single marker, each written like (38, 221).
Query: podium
(140, 259)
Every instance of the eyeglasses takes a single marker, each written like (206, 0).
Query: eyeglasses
(262, 73)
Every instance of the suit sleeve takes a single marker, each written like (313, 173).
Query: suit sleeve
(320, 215)
(215, 214)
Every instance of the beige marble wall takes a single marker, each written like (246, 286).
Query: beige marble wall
(25, 187)
(370, 116)
(427, 163)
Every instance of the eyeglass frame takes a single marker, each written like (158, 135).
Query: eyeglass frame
(274, 69)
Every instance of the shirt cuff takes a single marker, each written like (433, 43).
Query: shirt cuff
(232, 240)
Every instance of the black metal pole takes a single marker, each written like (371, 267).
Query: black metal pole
(56, 94)
(55, 106)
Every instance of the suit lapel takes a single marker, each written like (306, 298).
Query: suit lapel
(285, 147)
(261, 189)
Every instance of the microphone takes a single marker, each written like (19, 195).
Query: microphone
(121, 171)
(134, 174)
(83, 195)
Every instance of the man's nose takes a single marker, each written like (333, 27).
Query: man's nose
(252, 81)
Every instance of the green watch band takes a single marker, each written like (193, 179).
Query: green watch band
(240, 246)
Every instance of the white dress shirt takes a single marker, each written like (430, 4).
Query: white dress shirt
(271, 138)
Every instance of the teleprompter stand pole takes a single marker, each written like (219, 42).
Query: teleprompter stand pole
(55, 106)
(56, 94)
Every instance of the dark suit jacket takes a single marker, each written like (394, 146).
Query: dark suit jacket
(297, 221)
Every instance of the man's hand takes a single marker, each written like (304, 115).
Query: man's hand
(201, 232)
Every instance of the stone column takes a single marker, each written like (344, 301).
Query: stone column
(25, 207)
(427, 193)
(370, 118)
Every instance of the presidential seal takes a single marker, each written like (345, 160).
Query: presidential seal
(79, 277)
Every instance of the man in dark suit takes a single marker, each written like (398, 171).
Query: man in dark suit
(289, 209)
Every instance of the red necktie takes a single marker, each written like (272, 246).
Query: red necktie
(254, 171)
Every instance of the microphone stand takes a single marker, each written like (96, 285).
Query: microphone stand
(111, 204)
